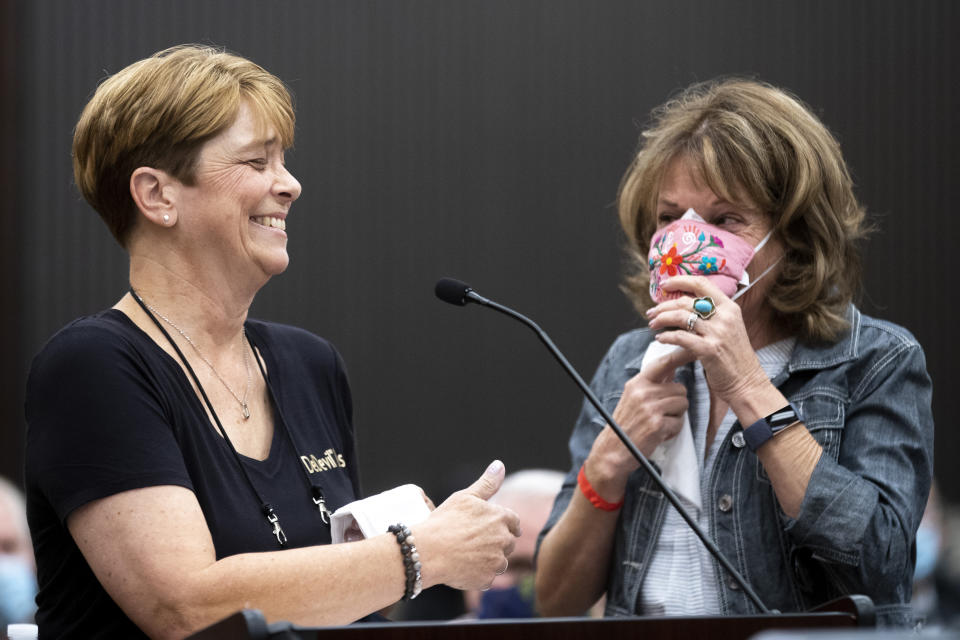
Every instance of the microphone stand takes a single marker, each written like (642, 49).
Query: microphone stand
(473, 296)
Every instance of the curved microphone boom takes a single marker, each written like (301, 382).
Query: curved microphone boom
(460, 293)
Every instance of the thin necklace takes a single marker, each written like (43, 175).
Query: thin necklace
(246, 361)
(265, 508)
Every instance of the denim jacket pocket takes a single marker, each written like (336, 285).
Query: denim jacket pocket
(816, 580)
(823, 414)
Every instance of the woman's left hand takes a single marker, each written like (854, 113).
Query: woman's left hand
(721, 342)
(722, 345)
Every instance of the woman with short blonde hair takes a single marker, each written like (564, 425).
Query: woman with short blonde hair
(182, 458)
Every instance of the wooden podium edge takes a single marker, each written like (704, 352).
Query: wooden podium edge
(859, 606)
(855, 611)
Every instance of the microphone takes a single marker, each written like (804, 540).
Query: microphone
(460, 293)
(456, 292)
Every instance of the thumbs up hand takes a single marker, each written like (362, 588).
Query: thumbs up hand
(466, 540)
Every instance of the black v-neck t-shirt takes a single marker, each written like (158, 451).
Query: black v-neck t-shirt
(109, 411)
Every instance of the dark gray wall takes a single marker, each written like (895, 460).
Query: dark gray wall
(485, 140)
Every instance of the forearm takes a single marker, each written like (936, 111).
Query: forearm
(316, 586)
(160, 566)
(789, 460)
(574, 558)
(857, 501)
(790, 457)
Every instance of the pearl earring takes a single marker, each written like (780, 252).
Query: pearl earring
(166, 219)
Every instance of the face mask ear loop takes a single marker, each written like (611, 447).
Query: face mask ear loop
(760, 244)
(745, 278)
(759, 278)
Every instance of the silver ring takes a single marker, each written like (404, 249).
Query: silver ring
(506, 563)
(692, 320)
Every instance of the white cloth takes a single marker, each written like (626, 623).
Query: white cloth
(682, 575)
(677, 457)
(403, 504)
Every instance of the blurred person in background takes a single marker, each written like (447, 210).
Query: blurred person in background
(530, 494)
(18, 576)
(936, 585)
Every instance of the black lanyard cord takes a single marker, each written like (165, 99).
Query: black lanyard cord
(316, 491)
(265, 507)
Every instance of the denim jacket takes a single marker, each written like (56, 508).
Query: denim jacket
(866, 400)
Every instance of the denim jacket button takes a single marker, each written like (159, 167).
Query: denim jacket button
(738, 440)
(733, 584)
(725, 502)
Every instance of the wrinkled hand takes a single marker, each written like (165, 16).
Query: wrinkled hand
(720, 343)
(466, 540)
(650, 411)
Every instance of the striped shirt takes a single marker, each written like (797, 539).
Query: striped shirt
(681, 579)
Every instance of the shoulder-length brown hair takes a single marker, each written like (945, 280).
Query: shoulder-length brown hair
(749, 140)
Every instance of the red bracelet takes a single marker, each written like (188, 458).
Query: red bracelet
(593, 496)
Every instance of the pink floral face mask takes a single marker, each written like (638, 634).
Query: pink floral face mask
(691, 246)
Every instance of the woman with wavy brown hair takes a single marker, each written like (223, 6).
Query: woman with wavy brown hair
(797, 430)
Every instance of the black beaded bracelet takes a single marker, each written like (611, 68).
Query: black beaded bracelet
(411, 560)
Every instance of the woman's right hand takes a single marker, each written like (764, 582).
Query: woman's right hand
(650, 411)
(466, 540)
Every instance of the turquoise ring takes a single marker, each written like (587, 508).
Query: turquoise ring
(704, 307)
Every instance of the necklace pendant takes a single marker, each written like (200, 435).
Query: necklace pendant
(246, 412)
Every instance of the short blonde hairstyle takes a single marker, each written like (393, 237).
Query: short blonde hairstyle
(157, 113)
(751, 141)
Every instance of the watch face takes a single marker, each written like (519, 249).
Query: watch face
(781, 418)
(765, 428)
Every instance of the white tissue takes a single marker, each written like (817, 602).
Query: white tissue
(677, 457)
(403, 504)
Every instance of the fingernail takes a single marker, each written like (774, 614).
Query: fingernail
(494, 467)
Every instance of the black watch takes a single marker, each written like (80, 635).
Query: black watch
(769, 426)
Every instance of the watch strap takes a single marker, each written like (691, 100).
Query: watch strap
(768, 426)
